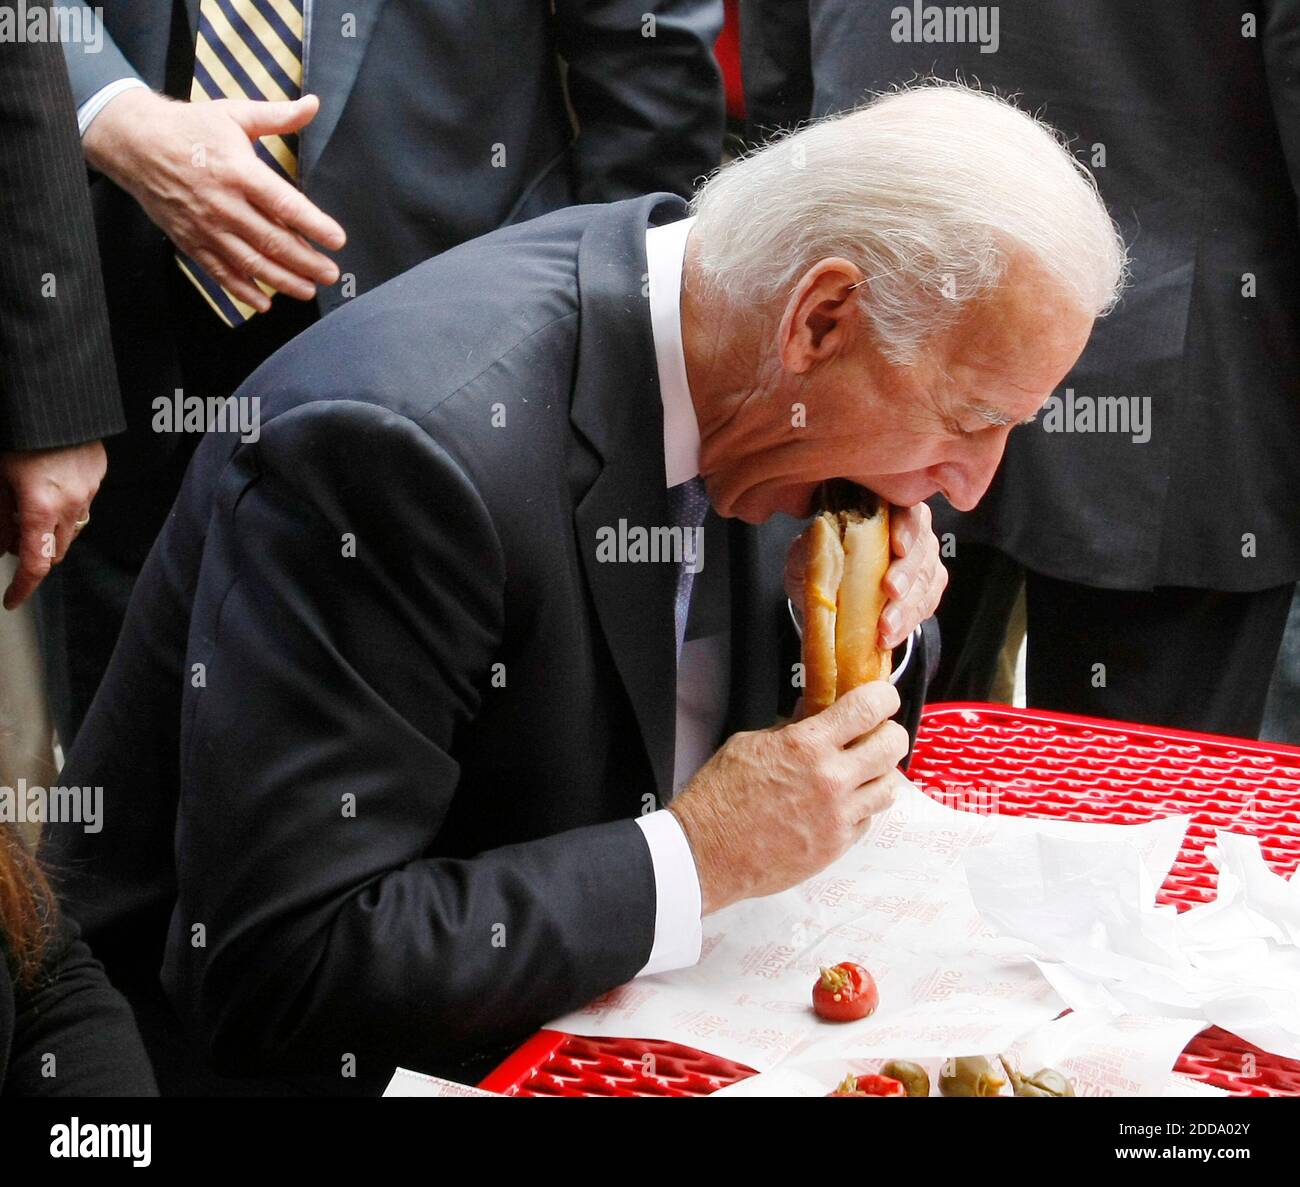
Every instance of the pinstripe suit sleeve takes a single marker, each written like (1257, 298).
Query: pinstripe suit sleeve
(58, 385)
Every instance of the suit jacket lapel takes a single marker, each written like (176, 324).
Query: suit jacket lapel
(617, 408)
(331, 62)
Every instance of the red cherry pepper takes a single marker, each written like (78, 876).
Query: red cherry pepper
(845, 993)
(869, 1086)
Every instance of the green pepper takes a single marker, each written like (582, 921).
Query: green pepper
(912, 1076)
(970, 1075)
(1047, 1081)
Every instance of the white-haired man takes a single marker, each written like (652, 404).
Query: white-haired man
(1158, 493)
(416, 698)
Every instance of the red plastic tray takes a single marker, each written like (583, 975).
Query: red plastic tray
(1022, 762)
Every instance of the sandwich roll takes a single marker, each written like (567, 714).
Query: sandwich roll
(847, 552)
(823, 572)
(861, 602)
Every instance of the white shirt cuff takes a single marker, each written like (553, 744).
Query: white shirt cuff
(100, 99)
(678, 929)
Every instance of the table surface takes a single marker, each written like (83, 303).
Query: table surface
(1021, 762)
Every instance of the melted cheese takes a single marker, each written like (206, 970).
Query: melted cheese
(821, 599)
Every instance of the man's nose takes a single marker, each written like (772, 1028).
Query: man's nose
(965, 481)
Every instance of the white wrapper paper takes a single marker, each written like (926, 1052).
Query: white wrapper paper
(896, 903)
(1099, 1054)
(1084, 913)
(408, 1083)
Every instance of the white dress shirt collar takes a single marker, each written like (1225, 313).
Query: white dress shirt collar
(665, 250)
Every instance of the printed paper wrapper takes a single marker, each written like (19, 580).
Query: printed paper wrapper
(898, 904)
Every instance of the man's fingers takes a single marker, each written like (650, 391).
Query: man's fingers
(902, 617)
(874, 797)
(17, 593)
(230, 280)
(37, 548)
(282, 246)
(281, 203)
(917, 566)
(67, 531)
(907, 525)
(914, 583)
(857, 712)
(879, 752)
(51, 490)
(246, 260)
(260, 117)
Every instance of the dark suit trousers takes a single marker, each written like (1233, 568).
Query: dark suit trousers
(1282, 710)
(83, 602)
(1187, 658)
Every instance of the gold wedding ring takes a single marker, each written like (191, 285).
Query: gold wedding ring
(81, 523)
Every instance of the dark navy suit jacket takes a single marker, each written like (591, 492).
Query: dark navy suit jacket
(386, 844)
(439, 121)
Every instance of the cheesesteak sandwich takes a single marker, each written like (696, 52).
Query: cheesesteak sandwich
(846, 554)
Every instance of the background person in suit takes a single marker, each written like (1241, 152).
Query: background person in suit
(1158, 562)
(407, 126)
(58, 390)
(407, 714)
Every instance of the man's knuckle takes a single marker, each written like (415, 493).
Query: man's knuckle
(248, 261)
(801, 741)
(825, 783)
(283, 205)
(273, 243)
(217, 209)
(870, 713)
(214, 265)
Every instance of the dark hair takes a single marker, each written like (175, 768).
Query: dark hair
(27, 907)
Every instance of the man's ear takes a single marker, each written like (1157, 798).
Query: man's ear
(820, 315)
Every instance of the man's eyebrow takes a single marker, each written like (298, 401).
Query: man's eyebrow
(993, 416)
(998, 418)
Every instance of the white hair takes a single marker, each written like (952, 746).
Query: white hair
(929, 190)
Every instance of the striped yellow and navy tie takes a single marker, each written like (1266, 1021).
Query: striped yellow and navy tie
(247, 49)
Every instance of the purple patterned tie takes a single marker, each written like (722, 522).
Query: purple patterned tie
(688, 504)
